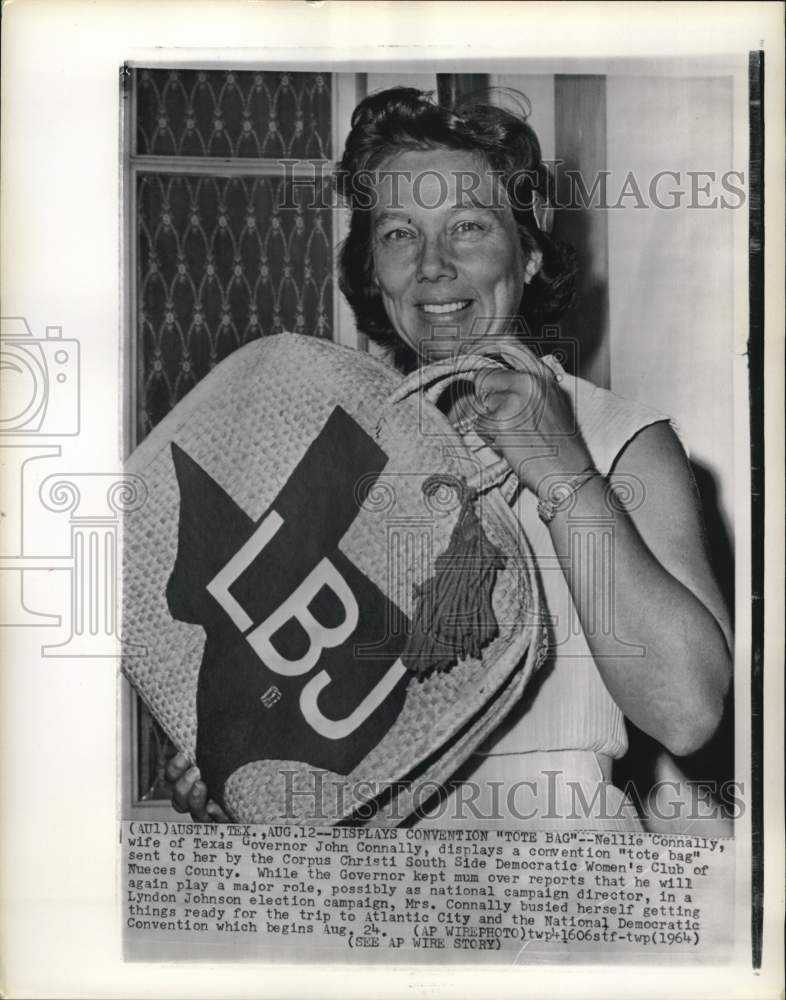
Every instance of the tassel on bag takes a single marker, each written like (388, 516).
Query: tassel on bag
(454, 618)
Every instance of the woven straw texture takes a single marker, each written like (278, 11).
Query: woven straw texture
(247, 425)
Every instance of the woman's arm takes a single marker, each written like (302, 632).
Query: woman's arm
(665, 598)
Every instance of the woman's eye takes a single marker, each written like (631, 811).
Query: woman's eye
(467, 226)
(398, 235)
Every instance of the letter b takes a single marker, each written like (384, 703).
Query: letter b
(295, 607)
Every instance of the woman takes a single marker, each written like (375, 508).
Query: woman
(448, 248)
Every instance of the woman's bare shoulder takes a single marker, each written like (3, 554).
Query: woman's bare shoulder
(654, 481)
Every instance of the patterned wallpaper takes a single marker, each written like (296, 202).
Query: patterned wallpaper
(222, 257)
(235, 114)
(219, 264)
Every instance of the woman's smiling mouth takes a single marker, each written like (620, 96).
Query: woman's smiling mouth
(442, 308)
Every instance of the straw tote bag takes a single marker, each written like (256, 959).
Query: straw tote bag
(335, 600)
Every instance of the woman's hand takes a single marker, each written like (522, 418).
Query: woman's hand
(527, 417)
(189, 792)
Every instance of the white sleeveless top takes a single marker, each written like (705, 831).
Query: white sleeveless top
(567, 705)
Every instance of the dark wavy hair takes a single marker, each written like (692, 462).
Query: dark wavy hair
(403, 119)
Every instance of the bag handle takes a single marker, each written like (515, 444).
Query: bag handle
(433, 379)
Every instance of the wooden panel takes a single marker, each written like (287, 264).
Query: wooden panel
(452, 87)
(538, 89)
(348, 90)
(580, 143)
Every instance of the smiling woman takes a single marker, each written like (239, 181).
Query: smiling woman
(449, 267)
(433, 192)
(448, 254)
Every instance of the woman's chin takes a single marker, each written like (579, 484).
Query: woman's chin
(437, 344)
(436, 348)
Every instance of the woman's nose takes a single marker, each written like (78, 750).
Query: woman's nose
(434, 261)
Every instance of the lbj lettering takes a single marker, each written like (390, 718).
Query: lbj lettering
(320, 637)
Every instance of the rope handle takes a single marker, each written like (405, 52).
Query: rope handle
(433, 379)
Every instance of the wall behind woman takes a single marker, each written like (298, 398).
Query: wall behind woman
(677, 302)
(662, 305)
(671, 271)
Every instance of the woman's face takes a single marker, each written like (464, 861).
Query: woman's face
(446, 253)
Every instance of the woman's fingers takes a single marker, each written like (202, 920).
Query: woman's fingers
(490, 382)
(514, 399)
(197, 803)
(216, 813)
(189, 792)
(183, 787)
(175, 767)
(175, 772)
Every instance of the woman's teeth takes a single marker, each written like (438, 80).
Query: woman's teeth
(445, 307)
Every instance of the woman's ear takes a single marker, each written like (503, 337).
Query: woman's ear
(534, 264)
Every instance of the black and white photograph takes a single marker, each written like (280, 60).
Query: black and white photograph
(392, 453)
